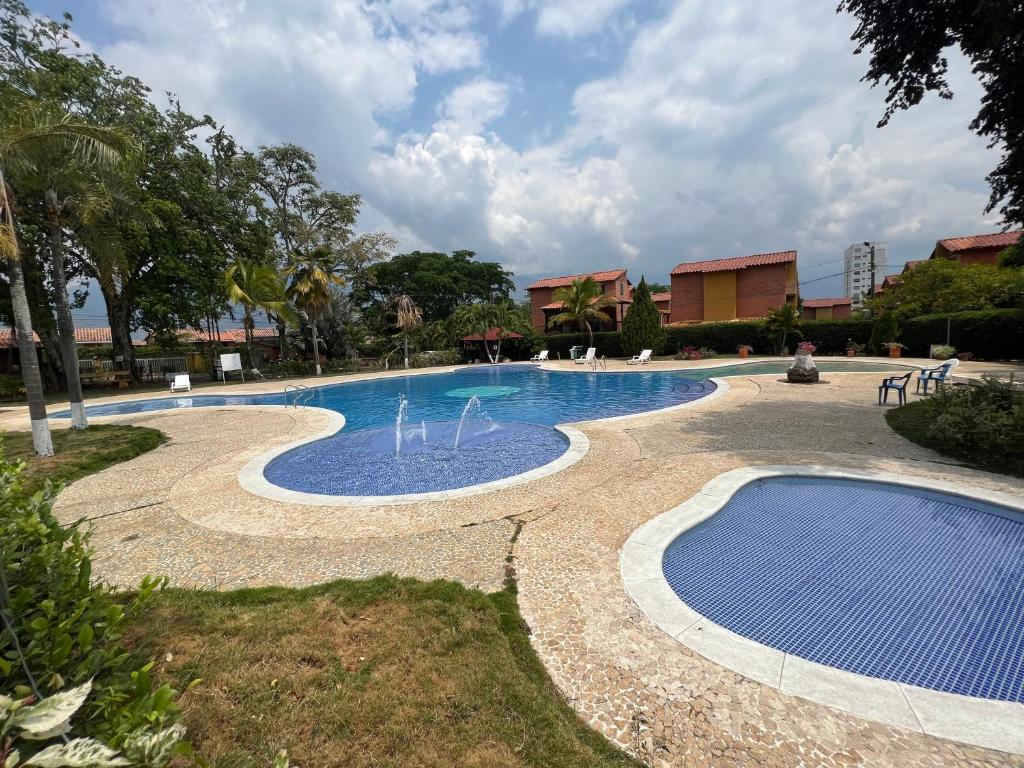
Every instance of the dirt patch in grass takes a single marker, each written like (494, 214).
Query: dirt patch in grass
(80, 452)
(385, 672)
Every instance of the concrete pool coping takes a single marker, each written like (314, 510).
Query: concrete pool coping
(981, 722)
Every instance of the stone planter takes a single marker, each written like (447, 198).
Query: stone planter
(802, 371)
(895, 352)
(744, 354)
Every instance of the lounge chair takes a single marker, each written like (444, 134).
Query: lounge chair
(587, 358)
(540, 357)
(181, 383)
(643, 357)
(897, 384)
(937, 375)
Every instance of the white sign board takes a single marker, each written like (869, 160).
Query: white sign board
(231, 362)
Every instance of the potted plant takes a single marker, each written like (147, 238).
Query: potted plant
(853, 348)
(895, 348)
(942, 352)
(744, 350)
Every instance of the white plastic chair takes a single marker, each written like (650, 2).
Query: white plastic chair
(643, 357)
(539, 358)
(587, 358)
(937, 375)
(181, 383)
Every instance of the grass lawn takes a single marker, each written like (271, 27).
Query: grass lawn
(386, 673)
(80, 452)
(912, 422)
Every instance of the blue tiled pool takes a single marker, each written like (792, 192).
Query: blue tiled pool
(877, 579)
(522, 402)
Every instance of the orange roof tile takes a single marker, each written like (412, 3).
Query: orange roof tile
(661, 296)
(604, 276)
(970, 242)
(838, 301)
(740, 262)
(228, 336)
(492, 335)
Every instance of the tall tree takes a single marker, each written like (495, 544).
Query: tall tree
(313, 276)
(437, 282)
(25, 134)
(583, 302)
(69, 177)
(908, 42)
(944, 285)
(256, 287)
(642, 328)
(783, 322)
(407, 318)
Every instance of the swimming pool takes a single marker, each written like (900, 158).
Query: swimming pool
(882, 580)
(431, 433)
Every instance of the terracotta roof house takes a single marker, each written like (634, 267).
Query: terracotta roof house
(663, 301)
(613, 282)
(734, 288)
(85, 337)
(837, 308)
(976, 249)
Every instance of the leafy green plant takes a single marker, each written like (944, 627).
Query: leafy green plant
(885, 330)
(943, 352)
(438, 357)
(981, 423)
(60, 628)
(33, 732)
(783, 322)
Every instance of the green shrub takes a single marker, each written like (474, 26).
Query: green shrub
(994, 334)
(981, 423)
(642, 328)
(61, 628)
(722, 337)
(832, 337)
(885, 330)
(439, 357)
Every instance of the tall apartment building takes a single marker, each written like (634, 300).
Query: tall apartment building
(857, 270)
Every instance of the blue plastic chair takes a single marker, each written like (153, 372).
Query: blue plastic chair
(897, 384)
(935, 375)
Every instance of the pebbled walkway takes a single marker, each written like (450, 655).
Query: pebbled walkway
(179, 511)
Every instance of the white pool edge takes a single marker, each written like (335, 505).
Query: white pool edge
(985, 723)
(251, 477)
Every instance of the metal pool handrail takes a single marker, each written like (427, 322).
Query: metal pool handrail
(302, 394)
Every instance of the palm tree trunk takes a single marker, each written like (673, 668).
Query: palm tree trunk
(316, 349)
(41, 440)
(497, 352)
(65, 323)
(590, 333)
(248, 323)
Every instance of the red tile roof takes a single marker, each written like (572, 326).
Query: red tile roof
(740, 262)
(227, 336)
(8, 340)
(664, 296)
(100, 336)
(838, 301)
(605, 276)
(970, 242)
(911, 264)
(492, 335)
(560, 305)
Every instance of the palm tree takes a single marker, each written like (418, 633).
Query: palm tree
(783, 321)
(407, 318)
(71, 185)
(256, 287)
(33, 129)
(583, 301)
(313, 277)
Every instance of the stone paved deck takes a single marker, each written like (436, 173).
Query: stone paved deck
(179, 511)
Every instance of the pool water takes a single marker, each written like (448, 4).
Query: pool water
(522, 401)
(882, 580)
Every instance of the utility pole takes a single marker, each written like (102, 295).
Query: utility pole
(871, 288)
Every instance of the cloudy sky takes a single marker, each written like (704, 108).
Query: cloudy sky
(560, 136)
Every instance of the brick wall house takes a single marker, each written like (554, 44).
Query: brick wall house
(730, 289)
(975, 249)
(613, 282)
(838, 308)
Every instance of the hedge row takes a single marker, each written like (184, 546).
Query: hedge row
(996, 334)
(993, 334)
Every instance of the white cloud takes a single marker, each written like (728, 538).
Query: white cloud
(471, 106)
(727, 128)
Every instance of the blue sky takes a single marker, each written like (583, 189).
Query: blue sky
(561, 136)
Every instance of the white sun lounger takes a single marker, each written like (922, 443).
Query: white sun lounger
(539, 358)
(587, 358)
(181, 383)
(643, 357)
